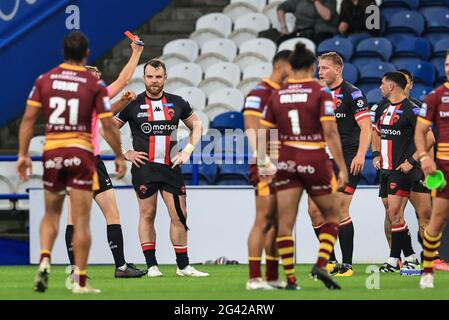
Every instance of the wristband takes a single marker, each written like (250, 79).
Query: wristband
(124, 151)
(376, 154)
(422, 155)
(189, 148)
(424, 158)
(412, 161)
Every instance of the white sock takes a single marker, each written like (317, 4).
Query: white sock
(393, 261)
(123, 268)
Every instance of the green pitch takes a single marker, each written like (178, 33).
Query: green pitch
(227, 282)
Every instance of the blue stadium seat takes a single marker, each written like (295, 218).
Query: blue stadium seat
(437, 18)
(375, 71)
(389, 12)
(420, 91)
(342, 46)
(373, 96)
(438, 63)
(207, 173)
(355, 38)
(404, 60)
(431, 3)
(368, 86)
(413, 47)
(233, 174)
(375, 47)
(369, 174)
(232, 146)
(350, 73)
(407, 21)
(228, 120)
(360, 62)
(410, 4)
(423, 72)
(434, 37)
(440, 48)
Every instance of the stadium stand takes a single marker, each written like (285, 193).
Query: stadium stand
(216, 51)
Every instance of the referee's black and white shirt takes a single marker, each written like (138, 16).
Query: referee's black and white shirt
(152, 123)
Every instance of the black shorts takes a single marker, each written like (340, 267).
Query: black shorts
(103, 177)
(394, 183)
(353, 180)
(151, 177)
(417, 177)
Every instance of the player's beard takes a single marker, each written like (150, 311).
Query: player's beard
(154, 90)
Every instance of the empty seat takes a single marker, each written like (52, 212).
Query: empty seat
(439, 66)
(374, 96)
(413, 47)
(22, 187)
(216, 51)
(204, 120)
(195, 96)
(6, 188)
(183, 75)
(375, 47)
(375, 71)
(355, 38)
(228, 99)
(248, 27)
(350, 73)
(440, 48)
(220, 75)
(233, 174)
(423, 72)
(228, 120)
(255, 51)
(232, 147)
(410, 4)
(238, 8)
(389, 12)
(212, 25)
(437, 18)
(407, 21)
(180, 50)
(291, 43)
(432, 3)
(253, 74)
(342, 46)
(420, 91)
(37, 145)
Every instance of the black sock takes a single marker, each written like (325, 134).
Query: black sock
(346, 237)
(396, 241)
(115, 240)
(332, 257)
(407, 248)
(149, 251)
(182, 259)
(68, 243)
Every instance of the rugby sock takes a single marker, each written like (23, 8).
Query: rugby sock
(407, 247)
(81, 276)
(182, 259)
(44, 254)
(317, 231)
(115, 240)
(420, 240)
(328, 237)
(149, 251)
(68, 243)
(397, 236)
(431, 245)
(286, 249)
(272, 272)
(346, 237)
(254, 267)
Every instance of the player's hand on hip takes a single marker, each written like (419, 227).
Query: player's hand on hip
(120, 167)
(357, 164)
(428, 166)
(24, 167)
(342, 181)
(377, 163)
(180, 158)
(136, 157)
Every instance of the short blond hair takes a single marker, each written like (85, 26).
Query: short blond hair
(333, 56)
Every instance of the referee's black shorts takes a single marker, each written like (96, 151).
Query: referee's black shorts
(153, 176)
(103, 177)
